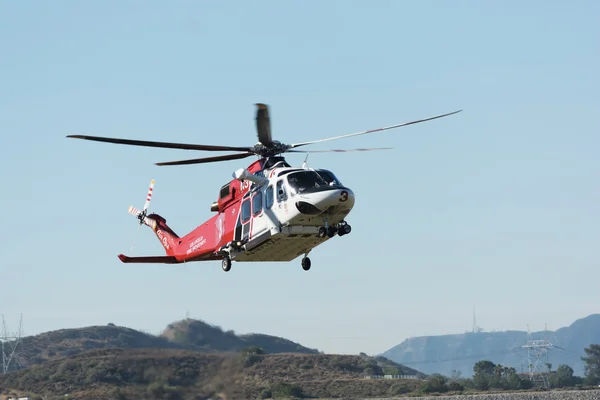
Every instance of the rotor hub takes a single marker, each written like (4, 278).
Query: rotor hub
(274, 148)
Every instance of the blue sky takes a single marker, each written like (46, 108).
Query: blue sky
(495, 207)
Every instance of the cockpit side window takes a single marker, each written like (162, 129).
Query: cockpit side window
(281, 195)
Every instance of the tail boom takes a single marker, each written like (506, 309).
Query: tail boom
(165, 235)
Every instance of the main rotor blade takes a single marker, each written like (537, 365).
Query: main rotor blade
(263, 124)
(168, 145)
(337, 150)
(206, 159)
(373, 130)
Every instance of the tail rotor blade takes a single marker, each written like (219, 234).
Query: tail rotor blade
(141, 214)
(133, 211)
(149, 196)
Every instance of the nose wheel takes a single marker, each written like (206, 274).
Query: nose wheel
(341, 229)
(344, 228)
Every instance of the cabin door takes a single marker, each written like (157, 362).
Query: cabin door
(260, 220)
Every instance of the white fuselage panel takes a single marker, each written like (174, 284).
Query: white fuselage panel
(283, 217)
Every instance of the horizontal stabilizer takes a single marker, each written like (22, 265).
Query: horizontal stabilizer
(149, 259)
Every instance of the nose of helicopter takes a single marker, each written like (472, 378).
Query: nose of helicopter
(332, 201)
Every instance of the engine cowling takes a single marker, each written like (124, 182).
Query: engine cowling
(243, 174)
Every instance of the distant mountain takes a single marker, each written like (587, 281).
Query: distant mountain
(445, 353)
(187, 334)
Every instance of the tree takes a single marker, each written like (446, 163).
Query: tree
(564, 376)
(253, 350)
(284, 389)
(484, 372)
(251, 355)
(491, 376)
(512, 381)
(455, 386)
(436, 383)
(592, 363)
(484, 367)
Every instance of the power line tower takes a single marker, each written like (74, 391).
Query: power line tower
(537, 358)
(10, 346)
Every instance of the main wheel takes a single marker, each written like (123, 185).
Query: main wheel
(306, 263)
(331, 231)
(226, 264)
(347, 229)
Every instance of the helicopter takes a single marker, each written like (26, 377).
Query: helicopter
(269, 211)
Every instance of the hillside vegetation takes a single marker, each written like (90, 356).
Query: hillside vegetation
(184, 374)
(190, 359)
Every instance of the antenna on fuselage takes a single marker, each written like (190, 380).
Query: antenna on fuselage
(305, 164)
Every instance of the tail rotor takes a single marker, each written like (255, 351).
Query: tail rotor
(142, 215)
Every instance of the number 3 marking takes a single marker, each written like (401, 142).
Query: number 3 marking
(343, 196)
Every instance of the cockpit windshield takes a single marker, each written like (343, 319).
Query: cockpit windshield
(329, 178)
(302, 180)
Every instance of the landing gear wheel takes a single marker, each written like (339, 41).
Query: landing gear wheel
(331, 231)
(343, 228)
(226, 264)
(322, 232)
(306, 263)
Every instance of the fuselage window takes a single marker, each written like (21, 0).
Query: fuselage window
(281, 196)
(269, 197)
(245, 211)
(257, 203)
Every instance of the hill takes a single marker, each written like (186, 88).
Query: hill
(445, 353)
(187, 334)
(198, 335)
(183, 374)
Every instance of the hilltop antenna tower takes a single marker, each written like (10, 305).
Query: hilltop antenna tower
(537, 357)
(476, 329)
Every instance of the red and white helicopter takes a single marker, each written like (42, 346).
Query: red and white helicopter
(270, 211)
